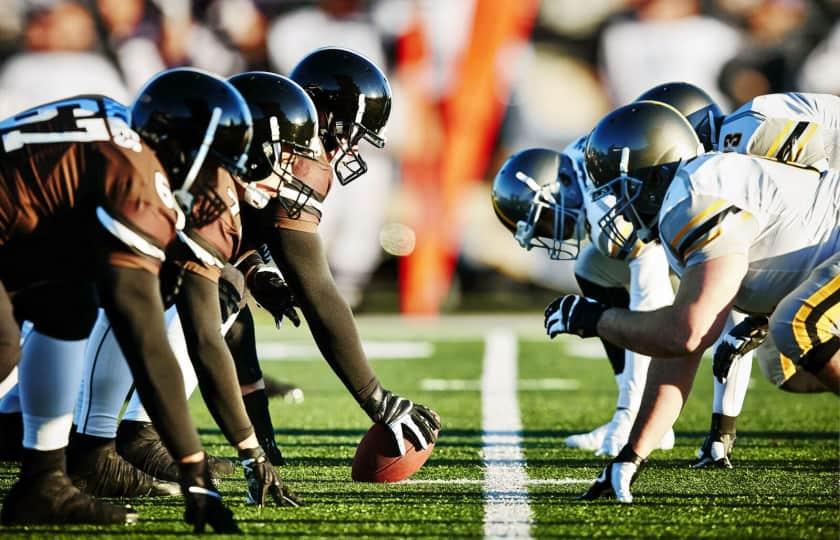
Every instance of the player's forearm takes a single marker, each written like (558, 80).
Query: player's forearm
(132, 302)
(197, 306)
(303, 262)
(661, 333)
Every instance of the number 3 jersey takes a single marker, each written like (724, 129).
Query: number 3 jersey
(796, 128)
(785, 220)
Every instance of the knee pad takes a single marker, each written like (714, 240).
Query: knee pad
(60, 310)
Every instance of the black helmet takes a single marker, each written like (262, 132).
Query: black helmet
(536, 196)
(633, 153)
(353, 99)
(695, 104)
(285, 121)
(186, 116)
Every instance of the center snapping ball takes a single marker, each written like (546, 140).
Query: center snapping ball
(377, 458)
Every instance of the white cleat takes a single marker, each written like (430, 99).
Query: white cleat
(588, 441)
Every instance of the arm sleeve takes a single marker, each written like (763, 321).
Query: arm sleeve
(301, 258)
(132, 302)
(198, 307)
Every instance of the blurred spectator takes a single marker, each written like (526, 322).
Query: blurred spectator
(820, 71)
(353, 214)
(57, 61)
(662, 41)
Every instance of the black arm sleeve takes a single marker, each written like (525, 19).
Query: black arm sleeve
(301, 258)
(198, 307)
(131, 299)
(242, 342)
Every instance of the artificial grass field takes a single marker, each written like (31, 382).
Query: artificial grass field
(786, 481)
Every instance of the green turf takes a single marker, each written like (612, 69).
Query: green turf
(785, 483)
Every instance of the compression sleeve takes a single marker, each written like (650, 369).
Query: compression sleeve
(198, 307)
(301, 258)
(132, 302)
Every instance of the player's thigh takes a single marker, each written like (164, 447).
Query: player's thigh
(61, 310)
(594, 266)
(806, 324)
(9, 335)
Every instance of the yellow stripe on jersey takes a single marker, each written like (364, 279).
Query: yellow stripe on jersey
(800, 332)
(714, 233)
(803, 140)
(781, 136)
(788, 367)
(696, 220)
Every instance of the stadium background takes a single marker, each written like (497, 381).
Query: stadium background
(473, 81)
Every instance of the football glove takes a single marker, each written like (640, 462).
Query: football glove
(716, 451)
(262, 481)
(743, 338)
(273, 294)
(399, 414)
(616, 478)
(573, 314)
(203, 502)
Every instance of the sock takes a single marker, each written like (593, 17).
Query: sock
(174, 332)
(36, 462)
(723, 424)
(256, 405)
(631, 382)
(50, 373)
(729, 396)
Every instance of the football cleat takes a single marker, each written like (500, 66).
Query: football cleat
(716, 451)
(588, 441)
(100, 471)
(52, 498)
(140, 445)
(291, 393)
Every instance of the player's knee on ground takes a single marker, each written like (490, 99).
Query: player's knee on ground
(62, 311)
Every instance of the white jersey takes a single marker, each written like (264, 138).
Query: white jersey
(595, 210)
(786, 220)
(796, 128)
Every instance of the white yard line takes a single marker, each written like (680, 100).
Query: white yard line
(506, 509)
(449, 385)
(471, 481)
(277, 351)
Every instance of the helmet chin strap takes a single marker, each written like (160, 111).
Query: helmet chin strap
(185, 198)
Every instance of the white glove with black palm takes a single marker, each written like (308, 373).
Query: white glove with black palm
(262, 481)
(743, 338)
(400, 414)
(573, 314)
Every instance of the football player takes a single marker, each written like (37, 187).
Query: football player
(740, 231)
(796, 128)
(543, 196)
(73, 170)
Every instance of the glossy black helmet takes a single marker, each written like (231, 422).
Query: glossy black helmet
(353, 99)
(695, 104)
(285, 129)
(537, 197)
(188, 116)
(633, 153)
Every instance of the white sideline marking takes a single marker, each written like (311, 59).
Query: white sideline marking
(445, 385)
(506, 509)
(278, 351)
(469, 481)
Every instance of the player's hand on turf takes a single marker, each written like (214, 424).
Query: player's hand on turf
(573, 314)
(204, 504)
(273, 294)
(743, 338)
(400, 414)
(263, 483)
(616, 478)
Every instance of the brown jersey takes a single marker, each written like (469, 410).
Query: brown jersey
(68, 170)
(214, 230)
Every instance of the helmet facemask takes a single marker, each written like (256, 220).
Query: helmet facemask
(551, 222)
(346, 136)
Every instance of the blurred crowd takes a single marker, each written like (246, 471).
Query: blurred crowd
(559, 66)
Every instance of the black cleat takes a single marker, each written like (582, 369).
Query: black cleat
(96, 468)
(140, 445)
(716, 451)
(11, 436)
(51, 498)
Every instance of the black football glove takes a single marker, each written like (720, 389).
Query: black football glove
(262, 480)
(743, 338)
(399, 413)
(203, 502)
(573, 314)
(273, 294)
(616, 478)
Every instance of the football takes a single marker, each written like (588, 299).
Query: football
(377, 458)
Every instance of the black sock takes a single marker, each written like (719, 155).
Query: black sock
(723, 424)
(82, 442)
(256, 405)
(37, 462)
(628, 455)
